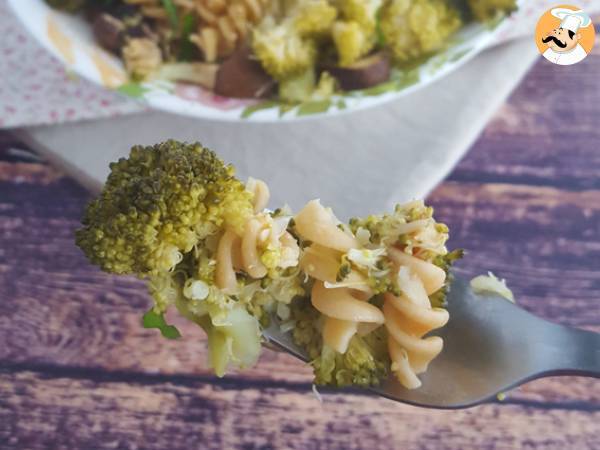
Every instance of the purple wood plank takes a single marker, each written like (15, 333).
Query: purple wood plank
(78, 371)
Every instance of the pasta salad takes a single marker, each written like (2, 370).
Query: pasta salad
(290, 50)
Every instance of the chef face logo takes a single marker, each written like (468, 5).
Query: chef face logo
(565, 35)
(561, 40)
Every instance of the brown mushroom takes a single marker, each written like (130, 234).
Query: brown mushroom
(108, 31)
(369, 71)
(242, 76)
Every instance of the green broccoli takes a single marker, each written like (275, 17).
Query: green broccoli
(161, 216)
(365, 363)
(352, 41)
(439, 299)
(355, 33)
(304, 87)
(417, 28)
(282, 51)
(313, 18)
(486, 10)
(158, 204)
(364, 12)
(288, 48)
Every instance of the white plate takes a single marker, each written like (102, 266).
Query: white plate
(70, 39)
(359, 163)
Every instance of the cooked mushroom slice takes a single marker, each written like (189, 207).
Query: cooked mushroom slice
(242, 76)
(367, 72)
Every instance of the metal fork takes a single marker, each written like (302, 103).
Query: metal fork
(490, 346)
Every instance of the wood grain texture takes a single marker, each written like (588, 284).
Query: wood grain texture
(78, 371)
(146, 414)
(551, 126)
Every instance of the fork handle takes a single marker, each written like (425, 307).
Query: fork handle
(572, 352)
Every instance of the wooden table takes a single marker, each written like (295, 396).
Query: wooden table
(77, 371)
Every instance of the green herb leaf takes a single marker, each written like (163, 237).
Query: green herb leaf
(153, 320)
(172, 13)
(315, 107)
(382, 88)
(408, 78)
(134, 90)
(248, 111)
(186, 50)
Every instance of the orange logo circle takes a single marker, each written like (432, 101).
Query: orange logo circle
(565, 35)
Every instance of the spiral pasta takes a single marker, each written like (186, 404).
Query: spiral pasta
(408, 318)
(260, 193)
(318, 224)
(225, 24)
(343, 305)
(246, 252)
(344, 310)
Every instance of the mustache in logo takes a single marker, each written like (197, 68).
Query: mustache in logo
(556, 41)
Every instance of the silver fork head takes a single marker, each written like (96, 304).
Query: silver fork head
(490, 346)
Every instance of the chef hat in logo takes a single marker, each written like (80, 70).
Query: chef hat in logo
(571, 20)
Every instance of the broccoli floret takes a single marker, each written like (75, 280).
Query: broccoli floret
(157, 204)
(299, 87)
(410, 225)
(365, 363)
(486, 10)
(416, 28)
(282, 51)
(233, 336)
(313, 18)
(439, 299)
(362, 11)
(325, 88)
(355, 34)
(302, 87)
(352, 41)
(289, 48)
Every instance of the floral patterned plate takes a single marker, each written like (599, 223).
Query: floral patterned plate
(70, 39)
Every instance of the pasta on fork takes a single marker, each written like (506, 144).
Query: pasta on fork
(349, 280)
(360, 298)
(249, 251)
(345, 307)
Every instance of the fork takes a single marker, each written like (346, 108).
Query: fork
(490, 346)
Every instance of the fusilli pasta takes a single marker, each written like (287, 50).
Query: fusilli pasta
(409, 317)
(225, 24)
(262, 234)
(260, 192)
(343, 305)
(344, 310)
(318, 224)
